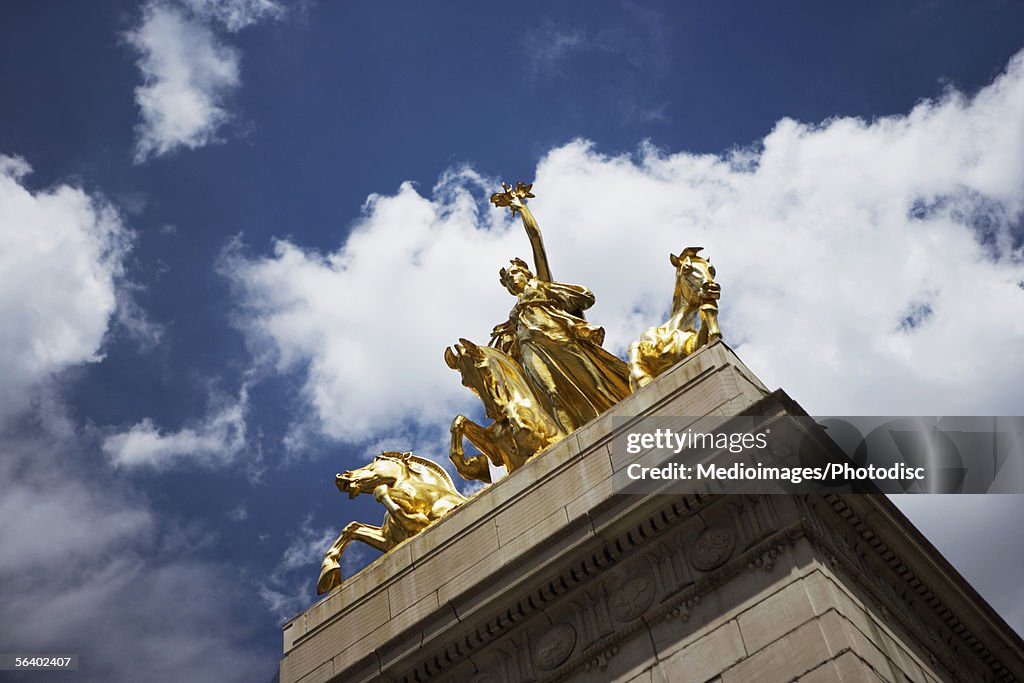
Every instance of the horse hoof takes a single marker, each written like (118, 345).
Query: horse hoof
(639, 382)
(330, 577)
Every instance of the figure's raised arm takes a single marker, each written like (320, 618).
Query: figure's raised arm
(515, 199)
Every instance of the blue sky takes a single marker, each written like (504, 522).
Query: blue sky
(236, 235)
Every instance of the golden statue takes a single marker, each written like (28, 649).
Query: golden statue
(696, 296)
(415, 491)
(521, 427)
(559, 351)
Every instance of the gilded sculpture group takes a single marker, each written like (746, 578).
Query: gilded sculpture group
(543, 375)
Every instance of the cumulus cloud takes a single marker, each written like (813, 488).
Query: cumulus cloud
(61, 256)
(86, 567)
(217, 440)
(187, 75)
(36, 521)
(369, 323)
(867, 267)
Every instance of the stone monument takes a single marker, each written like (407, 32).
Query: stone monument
(553, 574)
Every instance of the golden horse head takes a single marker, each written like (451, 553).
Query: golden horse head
(390, 467)
(695, 280)
(491, 374)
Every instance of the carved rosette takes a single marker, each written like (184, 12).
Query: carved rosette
(712, 549)
(554, 647)
(632, 598)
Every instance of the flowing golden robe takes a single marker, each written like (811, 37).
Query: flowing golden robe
(561, 353)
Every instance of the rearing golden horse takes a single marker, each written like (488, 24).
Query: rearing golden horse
(521, 427)
(416, 493)
(696, 296)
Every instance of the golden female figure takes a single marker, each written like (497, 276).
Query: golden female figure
(560, 352)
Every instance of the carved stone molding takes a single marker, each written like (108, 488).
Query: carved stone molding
(632, 597)
(851, 552)
(676, 607)
(599, 662)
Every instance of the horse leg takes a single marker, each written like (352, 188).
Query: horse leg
(330, 569)
(639, 374)
(709, 331)
(474, 466)
(372, 536)
(527, 432)
(411, 522)
(494, 442)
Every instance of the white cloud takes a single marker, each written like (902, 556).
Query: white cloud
(216, 441)
(134, 321)
(235, 14)
(61, 254)
(826, 239)
(86, 567)
(188, 72)
(372, 320)
(187, 76)
(37, 522)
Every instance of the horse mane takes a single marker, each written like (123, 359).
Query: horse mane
(507, 366)
(677, 298)
(435, 468)
(425, 462)
(507, 362)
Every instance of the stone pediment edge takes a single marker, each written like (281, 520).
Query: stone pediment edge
(926, 589)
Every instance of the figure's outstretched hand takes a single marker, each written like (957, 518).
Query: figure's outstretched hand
(513, 197)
